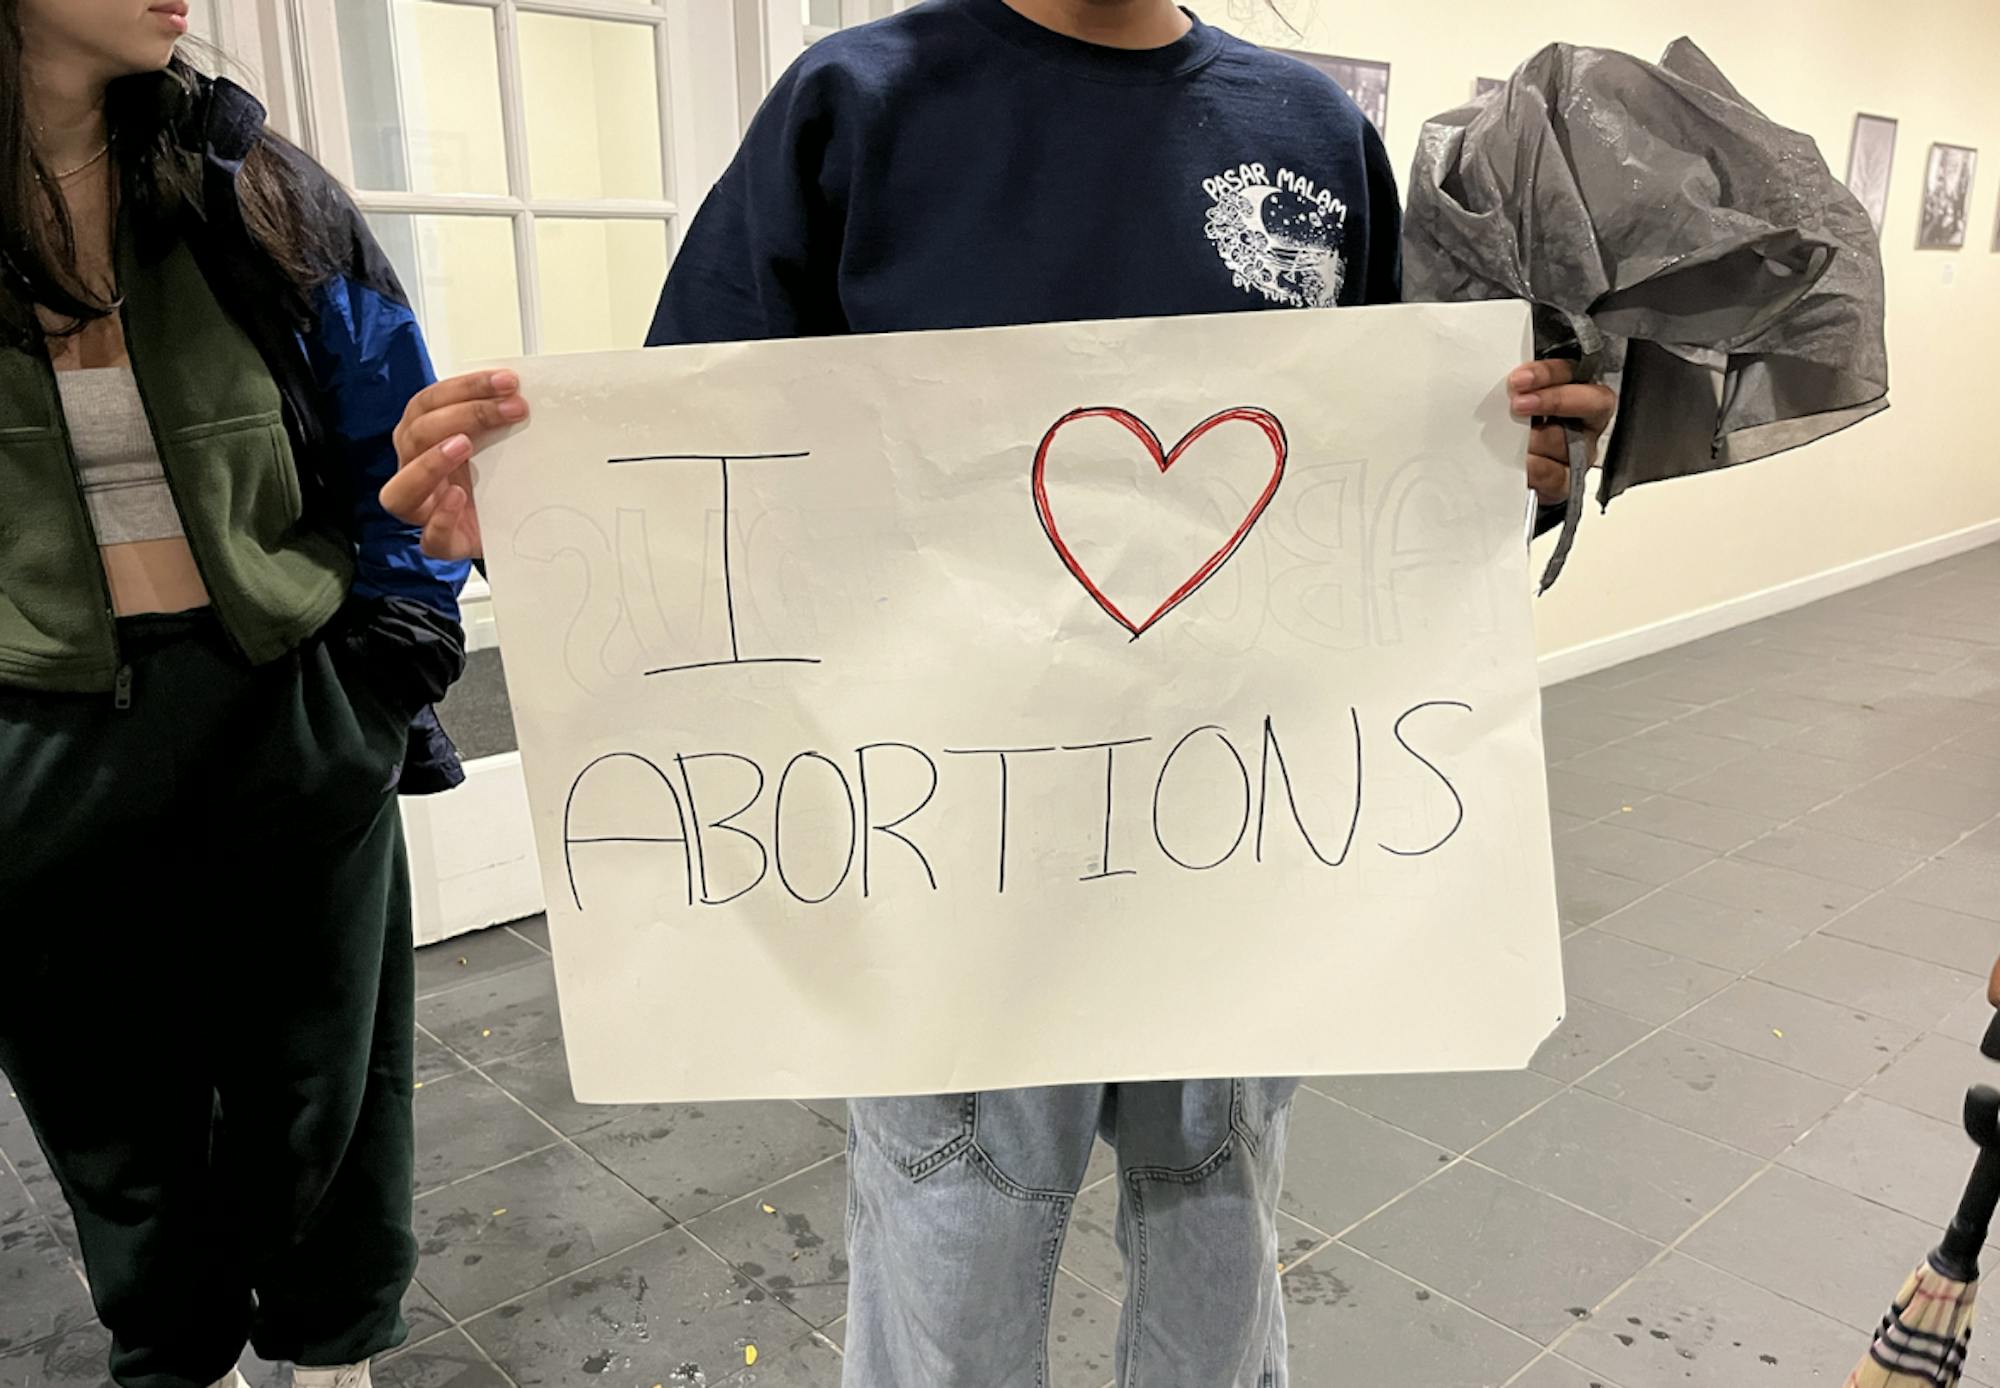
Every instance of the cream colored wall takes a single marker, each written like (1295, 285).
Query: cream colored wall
(1930, 466)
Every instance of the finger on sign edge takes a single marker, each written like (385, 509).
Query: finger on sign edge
(1549, 440)
(458, 390)
(1545, 472)
(1591, 405)
(416, 482)
(1540, 375)
(441, 537)
(468, 418)
(427, 508)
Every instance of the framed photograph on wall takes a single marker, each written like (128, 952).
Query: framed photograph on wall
(1482, 86)
(1367, 82)
(1947, 198)
(1870, 160)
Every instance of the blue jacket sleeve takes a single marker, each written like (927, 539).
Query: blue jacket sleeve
(368, 358)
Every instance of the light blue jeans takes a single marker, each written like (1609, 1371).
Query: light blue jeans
(959, 1203)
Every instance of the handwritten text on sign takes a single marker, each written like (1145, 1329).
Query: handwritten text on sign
(1095, 701)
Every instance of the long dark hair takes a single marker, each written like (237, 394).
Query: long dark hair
(152, 122)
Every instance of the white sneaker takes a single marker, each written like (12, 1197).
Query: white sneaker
(346, 1376)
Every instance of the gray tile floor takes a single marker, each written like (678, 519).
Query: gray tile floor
(1779, 852)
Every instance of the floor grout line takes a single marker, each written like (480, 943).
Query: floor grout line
(47, 1219)
(513, 928)
(1657, 1029)
(1672, 1246)
(675, 1223)
(539, 959)
(1446, 1297)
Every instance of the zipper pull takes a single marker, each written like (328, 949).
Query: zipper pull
(121, 689)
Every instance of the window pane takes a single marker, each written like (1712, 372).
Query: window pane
(592, 99)
(599, 281)
(821, 14)
(422, 80)
(462, 281)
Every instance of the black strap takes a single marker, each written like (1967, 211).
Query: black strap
(1579, 475)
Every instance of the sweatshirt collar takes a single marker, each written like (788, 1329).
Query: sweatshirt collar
(1184, 55)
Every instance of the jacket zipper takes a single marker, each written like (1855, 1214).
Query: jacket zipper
(121, 684)
(173, 490)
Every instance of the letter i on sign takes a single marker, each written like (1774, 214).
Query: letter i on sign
(722, 462)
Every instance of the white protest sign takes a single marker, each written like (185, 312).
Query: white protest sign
(1097, 701)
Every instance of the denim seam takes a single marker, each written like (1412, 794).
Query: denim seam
(924, 1167)
(1135, 1301)
(1135, 1200)
(982, 1160)
(1051, 1259)
(1006, 1184)
(1186, 1175)
(1238, 1122)
(853, 1190)
(1275, 1346)
(944, 1156)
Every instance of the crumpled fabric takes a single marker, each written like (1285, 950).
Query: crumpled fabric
(1673, 239)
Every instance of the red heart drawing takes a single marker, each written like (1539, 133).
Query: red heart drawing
(1163, 459)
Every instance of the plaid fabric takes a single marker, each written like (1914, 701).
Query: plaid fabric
(1923, 1339)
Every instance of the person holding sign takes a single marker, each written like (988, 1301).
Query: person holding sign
(217, 657)
(977, 163)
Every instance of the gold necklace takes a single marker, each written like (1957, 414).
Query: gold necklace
(89, 163)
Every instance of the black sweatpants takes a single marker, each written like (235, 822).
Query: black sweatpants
(207, 1005)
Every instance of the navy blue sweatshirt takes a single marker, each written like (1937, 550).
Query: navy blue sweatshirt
(961, 166)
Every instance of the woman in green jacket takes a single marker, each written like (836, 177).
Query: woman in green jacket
(217, 657)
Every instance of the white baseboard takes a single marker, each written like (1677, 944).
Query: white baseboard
(472, 852)
(1592, 656)
(475, 612)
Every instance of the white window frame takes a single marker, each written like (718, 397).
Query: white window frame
(248, 35)
(774, 33)
(852, 12)
(681, 158)
(769, 37)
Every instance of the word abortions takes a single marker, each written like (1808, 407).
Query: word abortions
(1217, 797)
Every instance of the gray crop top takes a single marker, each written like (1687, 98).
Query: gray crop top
(123, 484)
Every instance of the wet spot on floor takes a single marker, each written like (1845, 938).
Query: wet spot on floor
(1313, 1286)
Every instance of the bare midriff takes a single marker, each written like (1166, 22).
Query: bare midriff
(152, 576)
(148, 576)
